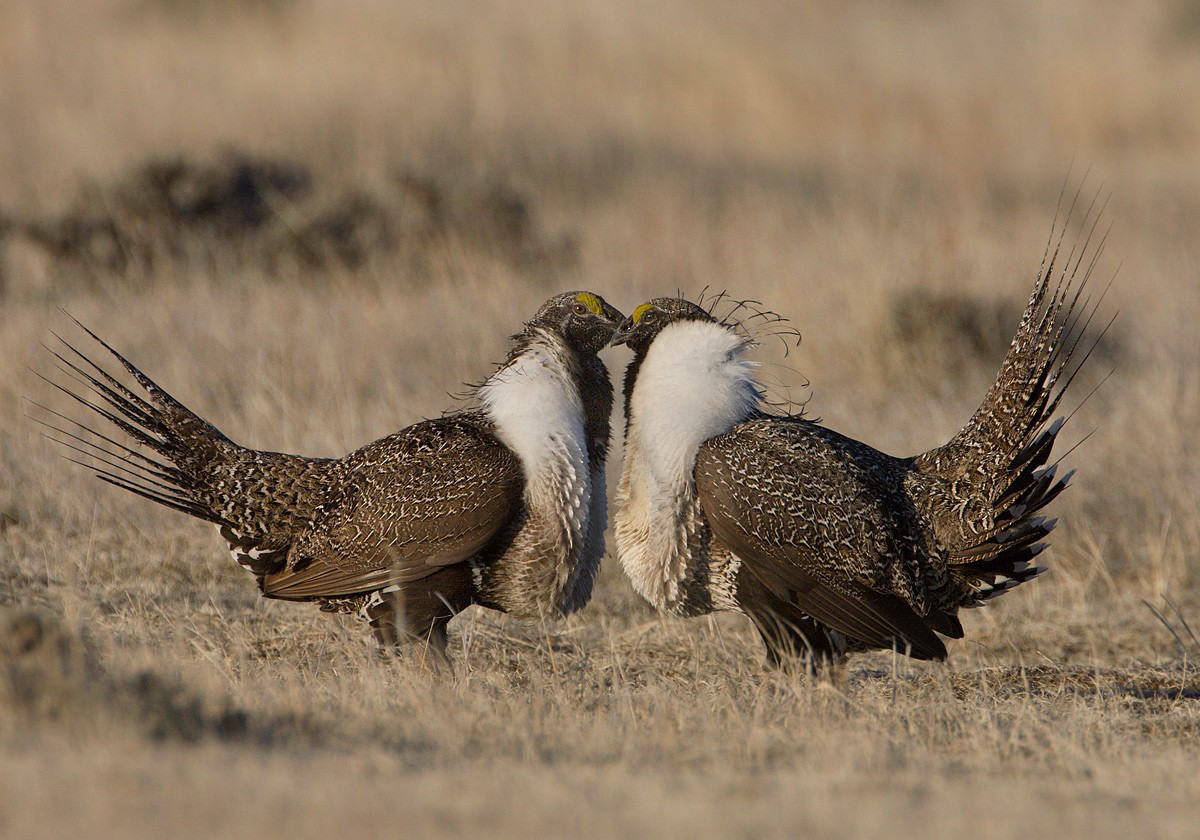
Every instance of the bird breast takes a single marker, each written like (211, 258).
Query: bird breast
(694, 384)
(538, 413)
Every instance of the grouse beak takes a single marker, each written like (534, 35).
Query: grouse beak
(613, 317)
(610, 319)
(623, 334)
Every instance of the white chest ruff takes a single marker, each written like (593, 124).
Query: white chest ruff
(538, 413)
(650, 542)
(694, 384)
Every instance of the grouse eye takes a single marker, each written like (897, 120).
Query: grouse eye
(580, 309)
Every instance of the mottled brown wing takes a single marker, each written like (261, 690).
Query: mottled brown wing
(424, 498)
(820, 521)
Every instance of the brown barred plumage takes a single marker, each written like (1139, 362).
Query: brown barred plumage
(410, 529)
(828, 544)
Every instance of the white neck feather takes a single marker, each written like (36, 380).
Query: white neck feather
(535, 405)
(694, 384)
(538, 413)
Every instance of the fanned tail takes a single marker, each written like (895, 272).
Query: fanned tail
(186, 444)
(173, 457)
(983, 490)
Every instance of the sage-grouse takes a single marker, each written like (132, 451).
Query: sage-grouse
(827, 544)
(501, 505)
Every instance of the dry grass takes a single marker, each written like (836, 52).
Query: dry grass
(826, 158)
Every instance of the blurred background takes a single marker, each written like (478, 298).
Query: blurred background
(259, 185)
(312, 220)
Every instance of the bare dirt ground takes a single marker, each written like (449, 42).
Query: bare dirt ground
(312, 220)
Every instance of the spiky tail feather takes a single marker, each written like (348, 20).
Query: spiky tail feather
(984, 488)
(258, 499)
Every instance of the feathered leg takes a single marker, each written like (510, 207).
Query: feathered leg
(420, 612)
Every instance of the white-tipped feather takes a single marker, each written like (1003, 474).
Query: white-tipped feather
(694, 384)
(1043, 472)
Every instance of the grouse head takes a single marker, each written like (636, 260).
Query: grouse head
(648, 320)
(584, 319)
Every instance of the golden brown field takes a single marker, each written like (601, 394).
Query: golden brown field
(311, 220)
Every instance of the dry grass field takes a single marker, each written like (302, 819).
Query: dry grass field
(311, 220)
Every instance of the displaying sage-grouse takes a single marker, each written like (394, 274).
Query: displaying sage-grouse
(503, 505)
(827, 544)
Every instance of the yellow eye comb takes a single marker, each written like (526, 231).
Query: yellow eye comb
(640, 311)
(590, 301)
